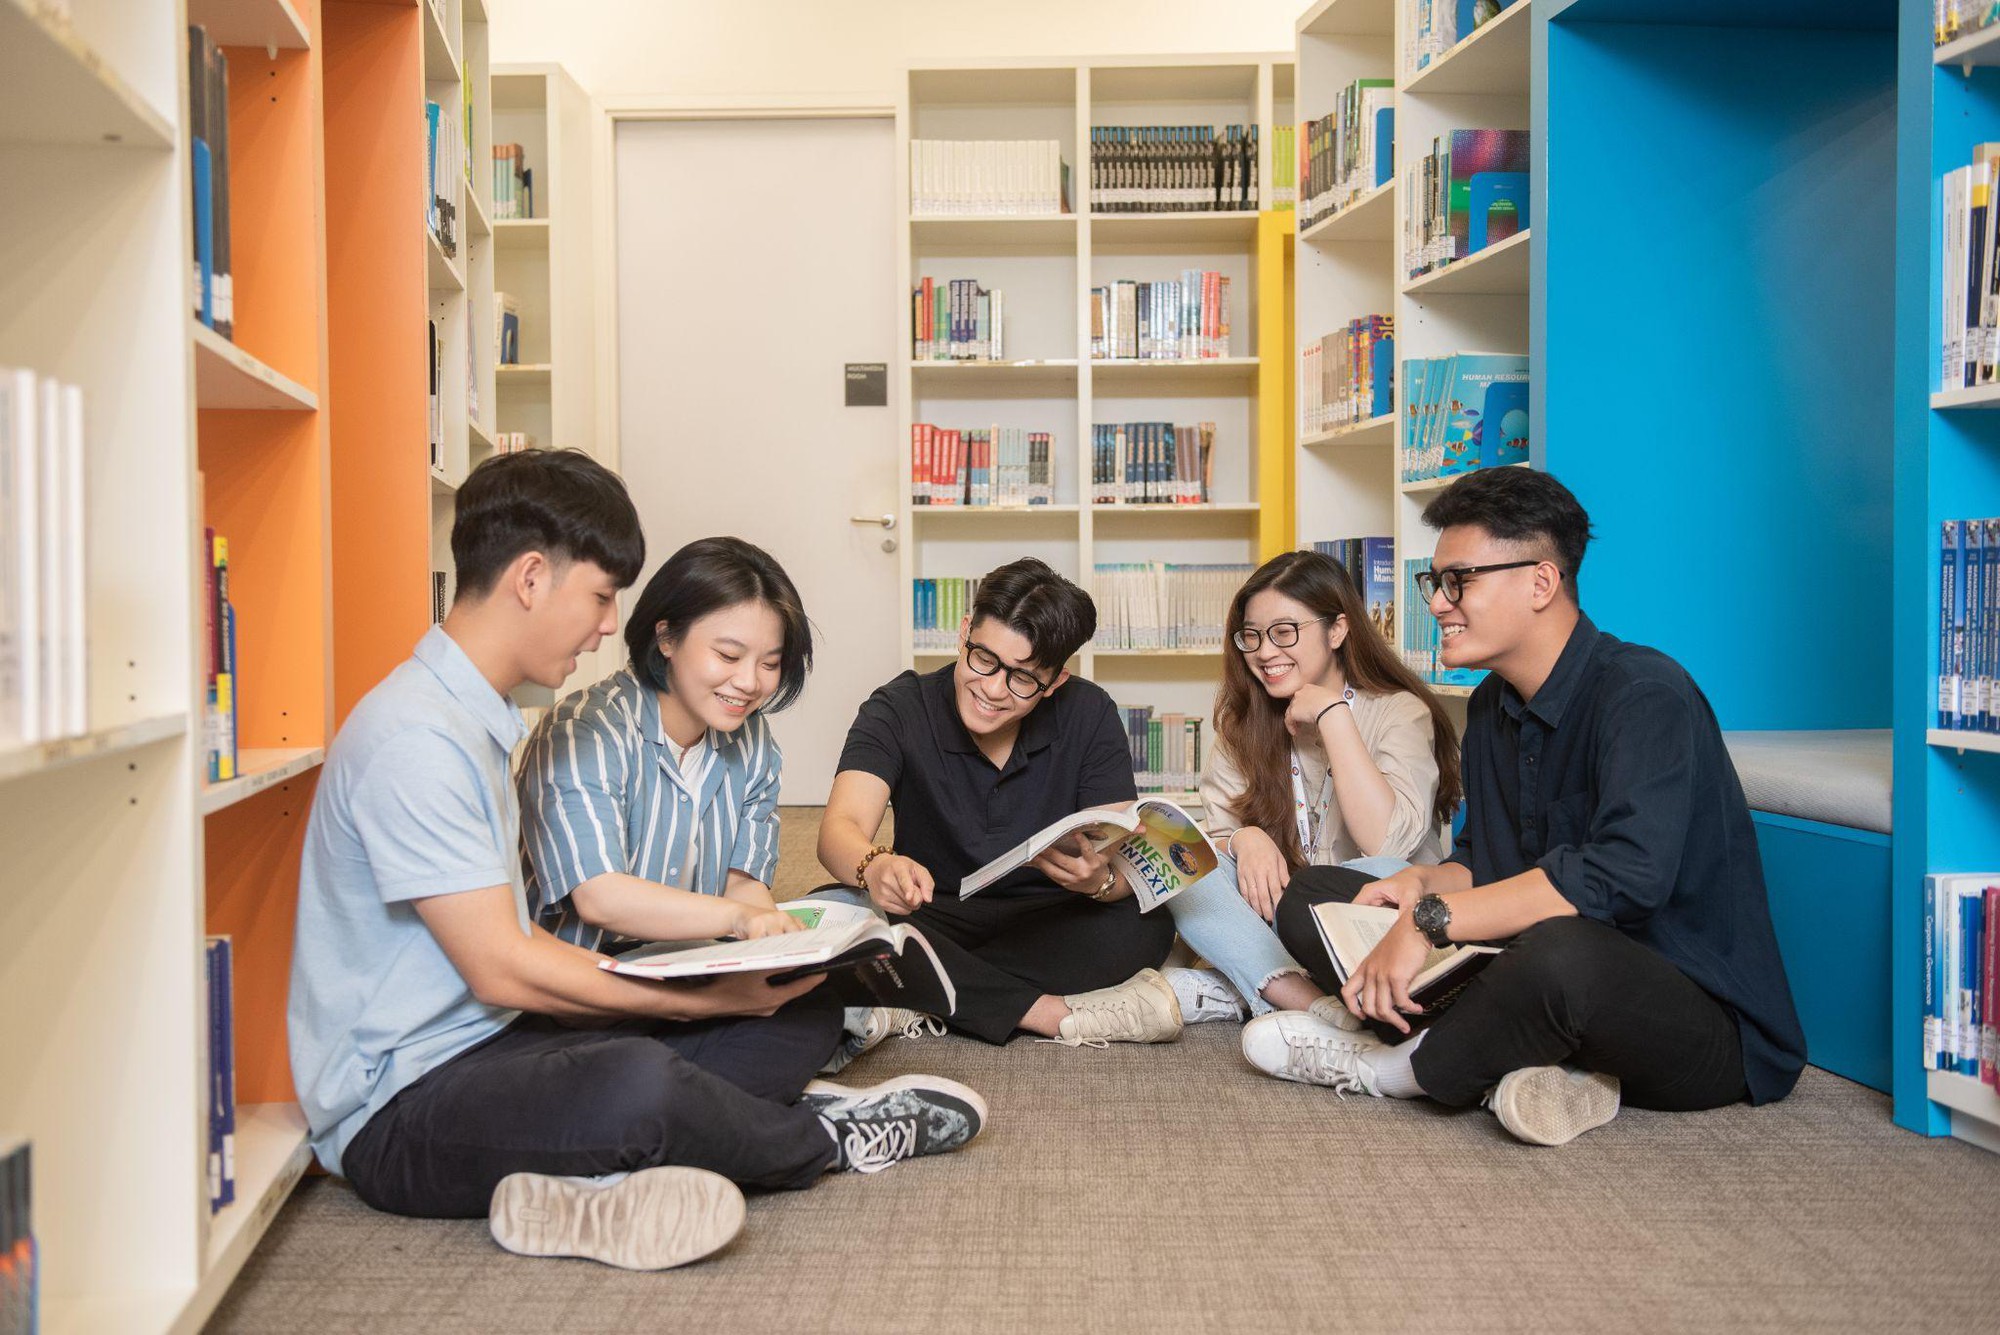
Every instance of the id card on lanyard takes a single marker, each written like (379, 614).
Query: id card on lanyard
(1311, 816)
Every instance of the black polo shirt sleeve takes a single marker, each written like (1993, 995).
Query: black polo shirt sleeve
(1615, 851)
(876, 743)
(1105, 775)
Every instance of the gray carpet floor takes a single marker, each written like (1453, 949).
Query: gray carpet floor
(1174, 1188)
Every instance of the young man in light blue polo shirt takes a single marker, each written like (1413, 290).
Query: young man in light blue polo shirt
(431, 1024)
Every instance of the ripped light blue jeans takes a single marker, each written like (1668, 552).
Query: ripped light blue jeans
(1214, 918)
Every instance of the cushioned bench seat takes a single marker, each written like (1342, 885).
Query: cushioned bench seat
(1836, 778)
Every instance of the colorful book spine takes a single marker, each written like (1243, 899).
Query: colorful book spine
(221, 1073)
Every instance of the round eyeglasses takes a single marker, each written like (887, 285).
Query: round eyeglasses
(1021, 683)
(1283, 634)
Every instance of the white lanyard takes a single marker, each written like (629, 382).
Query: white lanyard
(1310, 816)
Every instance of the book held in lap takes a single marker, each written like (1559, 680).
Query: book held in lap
(1152, 843)
(1351, 931)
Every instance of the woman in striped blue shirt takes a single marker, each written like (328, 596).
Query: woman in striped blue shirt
(649, 800)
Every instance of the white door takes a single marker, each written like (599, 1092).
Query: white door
(755, 260)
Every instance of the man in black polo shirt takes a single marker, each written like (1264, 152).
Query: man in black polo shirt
(976, 757)
(1605, 833)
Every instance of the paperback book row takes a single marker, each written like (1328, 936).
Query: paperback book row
(447, 161)
(1961, 960)
(208, 143)
(1968, 679)
(219, 970)
(435, 419)
(1151, 463)
(1421, 641)
(1177, 319)
(1283, 195)
(1009, 178)
(1433, 27)
(956, 320)
(1370, 564)
(506, 329)
(20, 1258)
(44, 575)
(1350, 150)
(937, 606)
(1162, 604)
(1953, 19)
(1173, 168)
(512, 442)
(1463, 412)
(995, 467)
(1349, 376)
(218, 664)
(1971, 271)
(513, 183)
(1469, 192)
(1166, 749)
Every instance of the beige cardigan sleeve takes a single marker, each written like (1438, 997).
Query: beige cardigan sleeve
(1398, 733)
(1222, 786)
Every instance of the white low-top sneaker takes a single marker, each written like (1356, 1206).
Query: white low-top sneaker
(653, 1219)
(1297, 1045)
(1206, 996)
(1553, 1105)
(1142, 1009)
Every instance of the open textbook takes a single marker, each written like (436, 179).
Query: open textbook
(1157, 846)
(1350, 931)
(894, 963)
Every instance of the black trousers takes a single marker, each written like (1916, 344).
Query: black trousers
(1005, 951)
(539, 1097)
(1567, 990)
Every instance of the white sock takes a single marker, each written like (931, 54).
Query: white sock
(1393, 1073)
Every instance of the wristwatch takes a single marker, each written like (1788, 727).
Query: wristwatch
(1432, 917)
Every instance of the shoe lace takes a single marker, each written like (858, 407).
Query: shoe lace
(871, 1146)
(918, 1024)
(1323, 1061)
(1096, 1021)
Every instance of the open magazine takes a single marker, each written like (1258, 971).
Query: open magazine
(894, 963)
(1157, 846)
(1350, 931)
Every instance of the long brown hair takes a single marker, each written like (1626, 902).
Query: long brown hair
(1250, 724)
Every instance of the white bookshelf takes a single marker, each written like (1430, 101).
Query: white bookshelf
(1350, 264)
(1046, 266)
(259, 768)
(225, 376)
(1951, 739)
(1975, 1107)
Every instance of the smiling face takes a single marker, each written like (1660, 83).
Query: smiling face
(1282, 670)
(571, 608)
(986, 705)
(1495, 613)
(721, 669)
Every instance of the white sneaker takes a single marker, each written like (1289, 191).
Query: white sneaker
(1142, 1009)
(1553, 1105)
(653, 1219)
(1335, 1013)
(1206, 996)
(1298, 1045)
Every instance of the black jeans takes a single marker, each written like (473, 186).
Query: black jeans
(1005, 951)
(1567, 990)
(539, 1097)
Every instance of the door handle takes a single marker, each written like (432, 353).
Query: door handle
(885, 521)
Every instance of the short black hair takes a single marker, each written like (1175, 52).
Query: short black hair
(1052, 614)
(706, 576)
(562, 503)
(1518, 505)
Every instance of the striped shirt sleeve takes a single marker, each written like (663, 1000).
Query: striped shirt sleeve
(756, 851)
(573, 784)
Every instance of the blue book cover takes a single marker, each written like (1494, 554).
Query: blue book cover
(1381, 375)
(1416, 372)
(204, 233)
(1385, 145)
(1948, 622)
(1497, 207)
(1972, 700)
(1378, 589)
(1502, 433)
(1971, 907)
(1465, 410)
(1933, 975)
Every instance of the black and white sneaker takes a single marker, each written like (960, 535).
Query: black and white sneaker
(902, 1118)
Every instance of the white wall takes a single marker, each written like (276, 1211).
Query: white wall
(853, 48)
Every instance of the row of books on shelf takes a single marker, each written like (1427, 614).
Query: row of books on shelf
(447, 161)
(1173, 168)
(220, 684)
(512, 442)
(1961, 961)
(1953, 19)
(936, 608)
(1370, 565)
(20, 1258)
(1971, 270)
(987, 177)
(1151, 463)
(996, 467)
(1968, 678)
(1350, 150)
(1163, 604)
(1177, 319)
(1462, 412)
(208, 143)
(513, 183)
(1433, 27)
(1421, 641)
(219, 967)
(440, 596)
(1349, 375)
(1469, 192)
(1283, 196)
(44, 574)
(1166, 748)
(506, 329)
(955, 319)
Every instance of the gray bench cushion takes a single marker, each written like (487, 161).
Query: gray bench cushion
(1839, 778)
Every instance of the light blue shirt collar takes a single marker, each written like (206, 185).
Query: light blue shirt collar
(493, 711)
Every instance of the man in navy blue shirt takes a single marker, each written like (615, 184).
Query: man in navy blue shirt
(1606, 840)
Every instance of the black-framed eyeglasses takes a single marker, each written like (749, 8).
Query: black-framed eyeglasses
(1284, 634)
(1023, 684)
(1452, 582)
